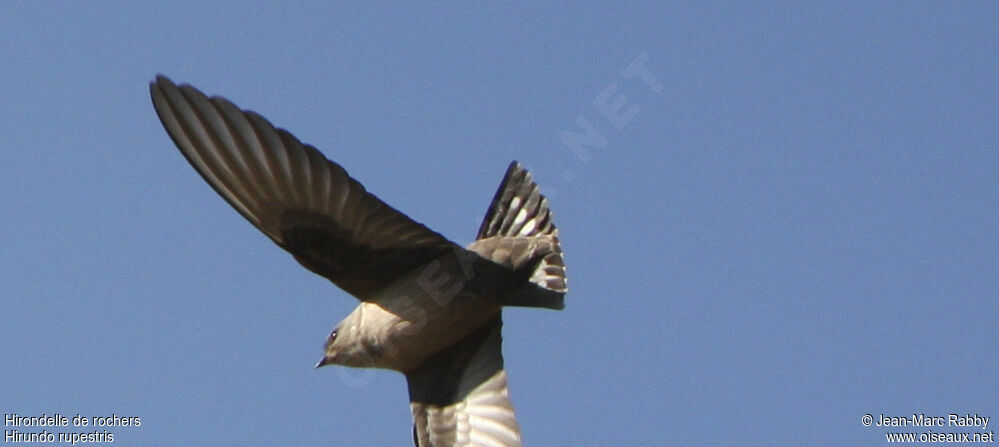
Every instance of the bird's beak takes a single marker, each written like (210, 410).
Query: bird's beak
(326, 360)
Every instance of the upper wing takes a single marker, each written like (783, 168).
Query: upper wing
(307, 204)
(459, 396)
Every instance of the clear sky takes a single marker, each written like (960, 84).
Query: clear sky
(790, 221)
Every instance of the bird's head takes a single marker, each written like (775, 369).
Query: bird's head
(349, 345)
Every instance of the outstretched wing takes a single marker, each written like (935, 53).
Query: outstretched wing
(307, 204)
(459, 396)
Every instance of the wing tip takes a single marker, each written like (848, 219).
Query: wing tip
(161, 81)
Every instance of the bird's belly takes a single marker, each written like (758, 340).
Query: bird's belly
(412, 319)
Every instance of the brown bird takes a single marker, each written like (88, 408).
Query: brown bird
(429, 309)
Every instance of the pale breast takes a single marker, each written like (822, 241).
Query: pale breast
(423, 313)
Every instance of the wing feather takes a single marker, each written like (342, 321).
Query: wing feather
(459, 396)
(304, 202)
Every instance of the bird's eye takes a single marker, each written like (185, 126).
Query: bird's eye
(331, 337)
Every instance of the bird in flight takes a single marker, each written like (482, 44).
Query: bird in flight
(429, 308)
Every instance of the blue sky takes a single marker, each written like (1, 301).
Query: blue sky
(797, 229)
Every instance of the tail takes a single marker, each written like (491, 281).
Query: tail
(519, 234)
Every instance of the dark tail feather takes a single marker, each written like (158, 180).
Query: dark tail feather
(530, 295)
(518, 233)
